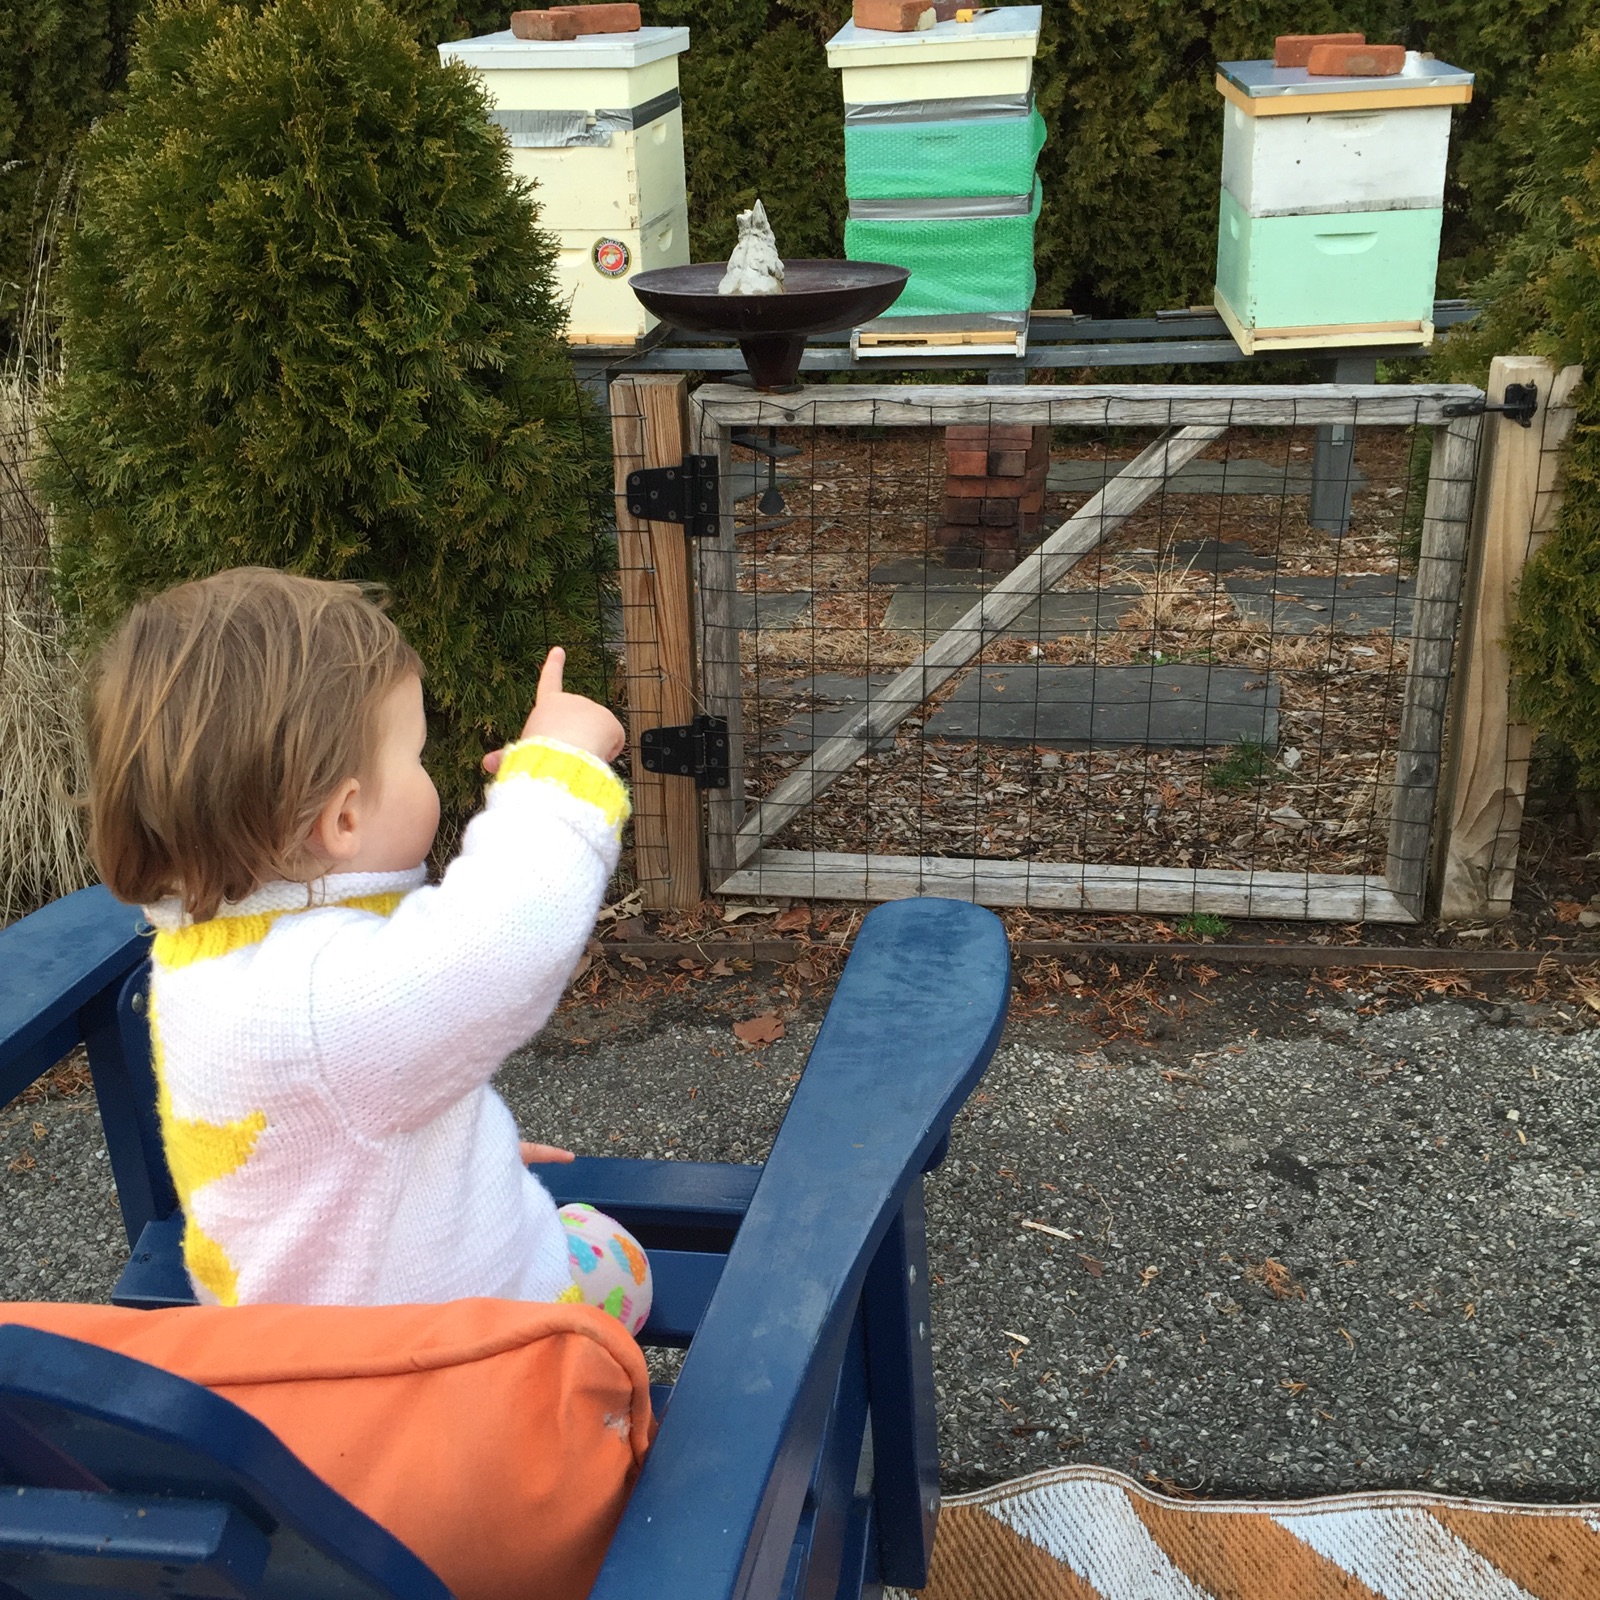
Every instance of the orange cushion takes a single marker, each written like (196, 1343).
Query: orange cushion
(498, 1439)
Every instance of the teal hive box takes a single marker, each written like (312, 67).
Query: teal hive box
(1332, 199)
(957, 264)
(918, 160)
(1320, 273)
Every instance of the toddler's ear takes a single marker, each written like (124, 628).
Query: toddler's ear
(335, 835)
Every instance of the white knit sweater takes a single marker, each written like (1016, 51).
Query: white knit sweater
(324, 1058)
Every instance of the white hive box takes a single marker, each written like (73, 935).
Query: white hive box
(597, 124)
(991, 55)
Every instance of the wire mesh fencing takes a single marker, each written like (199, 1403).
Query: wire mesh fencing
(1087, 647)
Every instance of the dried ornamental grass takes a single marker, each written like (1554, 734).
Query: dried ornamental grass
(43, 763)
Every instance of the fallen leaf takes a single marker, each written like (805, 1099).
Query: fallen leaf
(688, 963)
(733, 913)
(1567, 910)
(1276, 1279)
(626, 907)
(634, 961)
(766, 1029)
(1095, 1269)
(793, 920)
(721, 969)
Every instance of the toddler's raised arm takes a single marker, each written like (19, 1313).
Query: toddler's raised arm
(412, 1012)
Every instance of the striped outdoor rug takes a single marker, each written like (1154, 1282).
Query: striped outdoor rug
(1085, 1533)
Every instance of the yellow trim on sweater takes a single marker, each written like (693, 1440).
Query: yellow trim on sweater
(220, 936)
(583, 776)
(199, 1153)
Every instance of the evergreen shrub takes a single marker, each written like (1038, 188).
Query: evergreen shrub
(1543, 298)
(310, 322)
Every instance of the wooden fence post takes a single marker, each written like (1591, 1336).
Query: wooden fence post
(1487, 779)
(649, 428)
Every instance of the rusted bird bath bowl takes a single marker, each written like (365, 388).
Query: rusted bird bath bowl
(772, 329)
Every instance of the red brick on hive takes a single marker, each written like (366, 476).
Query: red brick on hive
(994, 492)
(1294, 49)
(544, 25)
(892, 16)
(1356, 60)
(608, 16)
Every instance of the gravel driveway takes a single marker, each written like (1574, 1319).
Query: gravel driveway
(1360, 1253)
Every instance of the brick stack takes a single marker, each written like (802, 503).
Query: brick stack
(993, 493)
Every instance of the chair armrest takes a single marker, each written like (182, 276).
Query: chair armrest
(52, 964)
(914, 1021)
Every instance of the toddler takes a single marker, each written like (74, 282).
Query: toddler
(324, 1023)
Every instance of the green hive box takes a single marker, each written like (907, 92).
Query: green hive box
(958, 264)
(942, 159)
(1332, 199)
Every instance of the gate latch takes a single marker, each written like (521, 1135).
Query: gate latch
(1521, 402)
(686, 493)
(699, 751)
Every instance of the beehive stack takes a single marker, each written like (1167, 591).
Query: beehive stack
(1333, 169)
(941, 142)
(994, 493)
(595, 120)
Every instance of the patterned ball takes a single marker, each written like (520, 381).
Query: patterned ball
(609, 1269)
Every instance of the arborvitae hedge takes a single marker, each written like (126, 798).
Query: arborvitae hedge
(310, 322)
(55, 70)
(1543, 297)
(1131, 170)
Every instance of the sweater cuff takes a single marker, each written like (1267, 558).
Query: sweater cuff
(582, 775)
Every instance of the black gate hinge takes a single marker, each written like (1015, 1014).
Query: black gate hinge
(686, 493)
(699, 751)
(1521, 403)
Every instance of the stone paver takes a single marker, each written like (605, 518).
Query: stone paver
(1174, 704)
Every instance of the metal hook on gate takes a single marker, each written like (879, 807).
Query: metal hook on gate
(1521, 405)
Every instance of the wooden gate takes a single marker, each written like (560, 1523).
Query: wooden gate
(708, 675)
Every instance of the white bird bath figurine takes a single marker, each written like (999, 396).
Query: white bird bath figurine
(755, 266)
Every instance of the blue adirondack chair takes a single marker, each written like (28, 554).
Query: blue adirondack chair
(798, 1455)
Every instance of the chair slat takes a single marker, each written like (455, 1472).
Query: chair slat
(54, 961)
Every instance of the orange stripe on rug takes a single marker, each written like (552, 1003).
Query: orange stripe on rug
(1554, 1556)
(977, 1558)
(1244, 1555)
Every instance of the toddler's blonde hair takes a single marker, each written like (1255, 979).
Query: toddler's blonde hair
(224, 715)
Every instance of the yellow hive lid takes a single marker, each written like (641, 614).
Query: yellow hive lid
(1260, 89)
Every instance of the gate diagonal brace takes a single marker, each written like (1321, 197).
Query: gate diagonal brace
(686, 493)
(1143, 477)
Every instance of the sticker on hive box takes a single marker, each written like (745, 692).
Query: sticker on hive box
(611, 257)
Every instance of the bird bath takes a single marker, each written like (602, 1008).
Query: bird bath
(817, 297)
